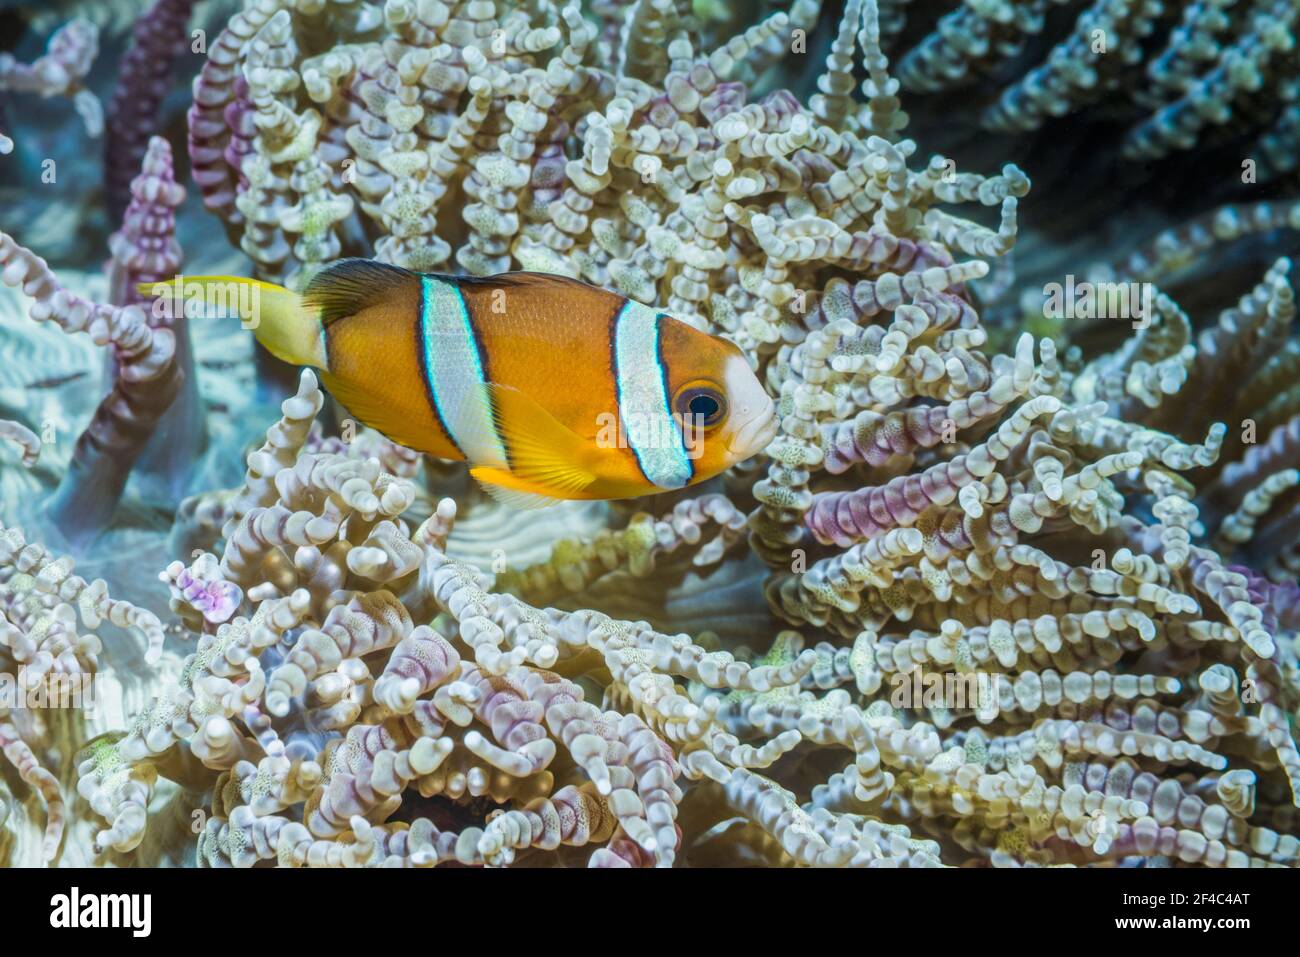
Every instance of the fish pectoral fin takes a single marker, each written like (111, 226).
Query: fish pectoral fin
(374, 412)
(544, 453)
(493, 482)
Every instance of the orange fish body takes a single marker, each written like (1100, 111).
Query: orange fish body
(549, 387)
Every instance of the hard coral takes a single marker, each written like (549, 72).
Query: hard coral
(67, 60)
(1182, 74)
(1026, 609)
(1027, 524)
(47, 668)
(658, 180)
(146, 377)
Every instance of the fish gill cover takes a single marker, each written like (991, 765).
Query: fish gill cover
(1014, 584)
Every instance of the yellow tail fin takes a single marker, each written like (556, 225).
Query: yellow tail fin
(276, 316)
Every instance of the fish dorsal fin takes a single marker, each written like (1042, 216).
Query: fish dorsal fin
(544, 453)
(490, 479)
(506, 279)
(346, 287)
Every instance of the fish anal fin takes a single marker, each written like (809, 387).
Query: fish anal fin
(543, 452)
(501, 485)
(374, 412)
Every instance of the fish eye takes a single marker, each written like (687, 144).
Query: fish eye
(704, 405)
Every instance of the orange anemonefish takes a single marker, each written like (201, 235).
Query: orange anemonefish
(550, 388)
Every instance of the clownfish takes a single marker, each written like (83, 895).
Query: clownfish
(548, 387)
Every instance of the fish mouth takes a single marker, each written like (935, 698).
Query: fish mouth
(755, 434)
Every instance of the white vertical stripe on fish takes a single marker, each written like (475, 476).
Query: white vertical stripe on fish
(454, 367)
(654, 435)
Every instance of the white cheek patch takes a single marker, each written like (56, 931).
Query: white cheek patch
(643, 401)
